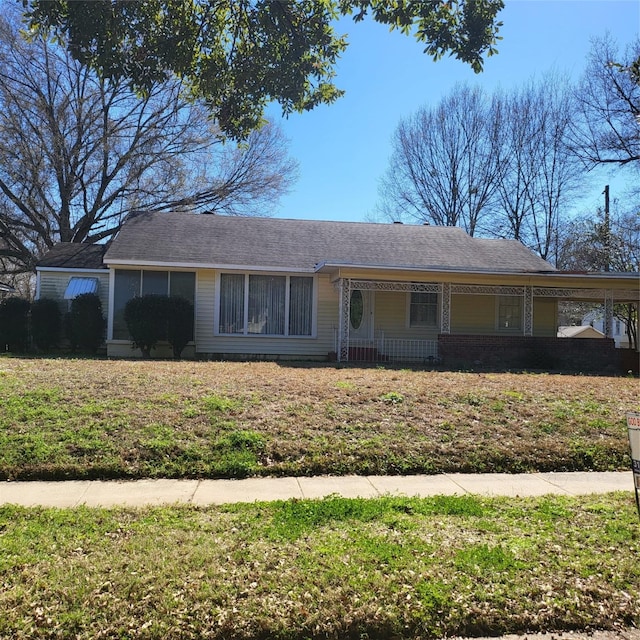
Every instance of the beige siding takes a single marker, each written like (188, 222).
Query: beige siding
(545, 317)
(316, 347)
(473, 314)
(54, 283)
(390, 318)
(476, 314)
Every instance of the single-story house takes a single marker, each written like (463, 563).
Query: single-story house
(308, 289)
(579, 331)
(619, 334)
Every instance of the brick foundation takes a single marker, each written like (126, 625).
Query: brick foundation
(526, 352)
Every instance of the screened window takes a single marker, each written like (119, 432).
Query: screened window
(509, 313)
(423, 309)
(130, 283)
(265, 305)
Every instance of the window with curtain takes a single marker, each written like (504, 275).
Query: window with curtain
(423, 309)
(256, 304)
(232, 303)
(300, 306)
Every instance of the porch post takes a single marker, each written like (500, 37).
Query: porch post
(608, 313)
(345, 314)
(528, 310)
(445, 312)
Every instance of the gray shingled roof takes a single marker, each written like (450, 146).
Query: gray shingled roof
(211, 240)
(74, 255)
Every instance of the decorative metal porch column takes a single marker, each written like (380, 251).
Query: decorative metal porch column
(608, 313)
(528, 311)
(445, 314)
(345, 315)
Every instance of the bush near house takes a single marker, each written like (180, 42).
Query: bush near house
(14, 324)
(85, 323)
(179, 323)
(45, 324)
(153, 318)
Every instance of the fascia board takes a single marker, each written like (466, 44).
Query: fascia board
(113, 264)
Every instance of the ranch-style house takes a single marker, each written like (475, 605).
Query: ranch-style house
(317, 290)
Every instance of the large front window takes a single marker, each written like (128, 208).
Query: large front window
(252, 304)
(130, 283)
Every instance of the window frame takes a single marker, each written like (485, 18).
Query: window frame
(436, 305)
(245, 333)
(140, 287)
(514, 300)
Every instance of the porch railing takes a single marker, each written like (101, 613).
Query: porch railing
(383, 349)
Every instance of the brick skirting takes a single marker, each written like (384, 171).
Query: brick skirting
(526, 352)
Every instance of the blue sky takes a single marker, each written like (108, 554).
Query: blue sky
(343, 149)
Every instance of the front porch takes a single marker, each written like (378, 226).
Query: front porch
(525, 339)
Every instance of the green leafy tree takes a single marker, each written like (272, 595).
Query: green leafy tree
(240, 55)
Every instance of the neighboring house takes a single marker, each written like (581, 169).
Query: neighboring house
(619, 334)
(580, 331)
(307, 289)
(69, 269)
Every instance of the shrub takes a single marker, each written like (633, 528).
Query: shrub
(146, 318)
(14, 324)
(45, 323)
(179, 323)
(86, 323)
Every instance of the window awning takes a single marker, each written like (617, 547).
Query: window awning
(78, 286)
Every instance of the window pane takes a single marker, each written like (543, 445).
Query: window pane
(127, 286)
(423, 309)
(300, 305)
(183, 284)
(266, 304)
(155, 282)
(509, 312)
(231, 303)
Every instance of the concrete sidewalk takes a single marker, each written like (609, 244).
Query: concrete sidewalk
(203, 492)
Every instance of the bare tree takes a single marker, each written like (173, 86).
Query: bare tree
(601, 243)
(606, 130)
(445, 165)
(78, 153)
(540, 174)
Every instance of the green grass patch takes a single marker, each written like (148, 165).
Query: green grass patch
(333, 568)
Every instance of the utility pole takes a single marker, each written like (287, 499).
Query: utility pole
(607, 230)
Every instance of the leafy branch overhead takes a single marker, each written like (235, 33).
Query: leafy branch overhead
(239, 55)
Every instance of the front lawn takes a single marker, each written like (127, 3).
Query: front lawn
(64, 418)
(333, 569)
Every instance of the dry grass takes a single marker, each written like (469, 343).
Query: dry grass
(84, 418)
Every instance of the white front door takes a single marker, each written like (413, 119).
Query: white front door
(361, 315)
